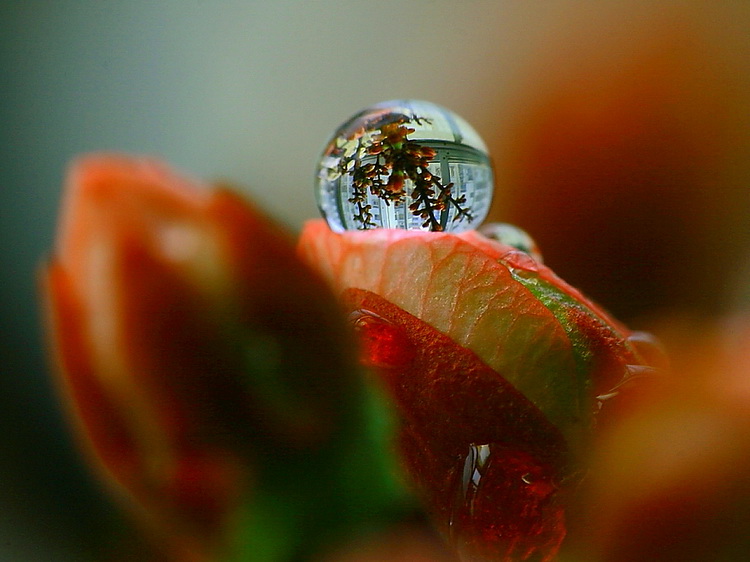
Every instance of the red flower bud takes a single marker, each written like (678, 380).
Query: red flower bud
(194, 349)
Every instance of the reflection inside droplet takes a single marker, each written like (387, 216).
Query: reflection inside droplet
(475, 461)
(406, 164)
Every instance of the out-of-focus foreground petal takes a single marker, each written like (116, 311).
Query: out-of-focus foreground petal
(670, 478)
(209, 371)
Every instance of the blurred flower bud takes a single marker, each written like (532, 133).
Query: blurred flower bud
(669, 478)
(208, 370)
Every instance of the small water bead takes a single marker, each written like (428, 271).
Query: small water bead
(651, 349)
(641, 377)
(507, 507)
(405, 164)
(383, 343)
(513, 236)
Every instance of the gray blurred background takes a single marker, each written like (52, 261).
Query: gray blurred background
(249, 92)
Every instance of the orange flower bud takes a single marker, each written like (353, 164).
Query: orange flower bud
(194, 349)
(395, 182)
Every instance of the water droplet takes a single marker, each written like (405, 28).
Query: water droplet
(383, 343)
(651, 363)
(506, 506)
(405, 164)
(650, 349)
(513, 236)
(634, 377)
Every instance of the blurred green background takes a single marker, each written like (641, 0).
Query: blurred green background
(249, 92)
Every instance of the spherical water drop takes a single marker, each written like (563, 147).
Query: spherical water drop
(513, 236)
(405, 164)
